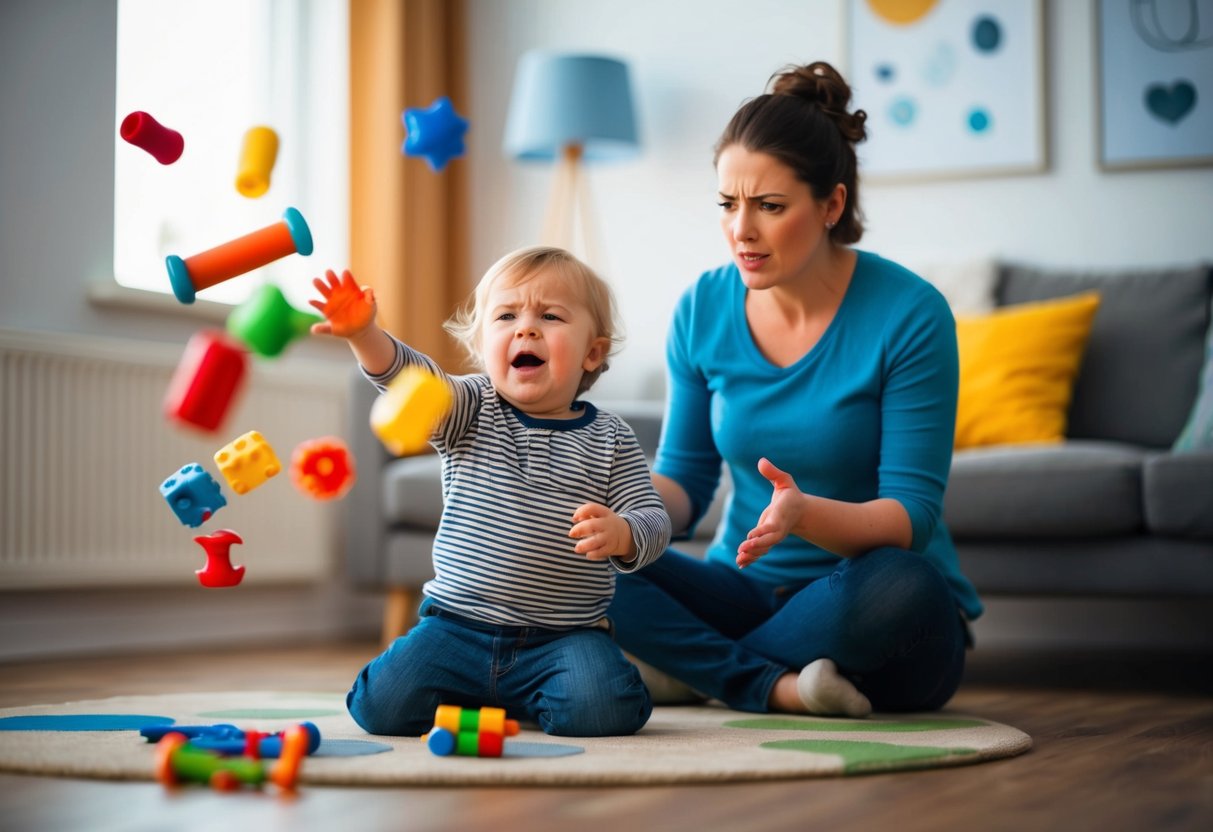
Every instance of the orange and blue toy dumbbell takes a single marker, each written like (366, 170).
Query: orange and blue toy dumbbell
(193, 274)
(469, 733)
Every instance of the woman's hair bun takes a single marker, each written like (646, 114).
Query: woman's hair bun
(821, 84)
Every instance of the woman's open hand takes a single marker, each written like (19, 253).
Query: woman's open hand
(779, 518)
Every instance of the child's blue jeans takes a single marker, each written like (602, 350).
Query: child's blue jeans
(886, 618)
(573, 683)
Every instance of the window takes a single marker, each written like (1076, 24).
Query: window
(211, 71)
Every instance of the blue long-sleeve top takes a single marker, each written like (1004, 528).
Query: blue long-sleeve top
(869, 412)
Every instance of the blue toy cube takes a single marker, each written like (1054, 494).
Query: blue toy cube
(193, 495)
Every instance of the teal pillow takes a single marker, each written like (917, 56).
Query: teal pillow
(1197, 434)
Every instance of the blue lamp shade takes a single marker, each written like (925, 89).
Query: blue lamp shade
(561, 100)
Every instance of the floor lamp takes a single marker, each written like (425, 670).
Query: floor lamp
(574, 110)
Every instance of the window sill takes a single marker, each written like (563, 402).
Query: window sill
(112, 295)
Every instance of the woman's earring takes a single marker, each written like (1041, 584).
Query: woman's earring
(830, 225)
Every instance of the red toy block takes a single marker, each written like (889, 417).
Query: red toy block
(219, 571)
(141, 130)
(322, 468)
(207, 379)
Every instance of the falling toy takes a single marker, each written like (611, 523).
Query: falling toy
(193, 274)
(266, 322)
(435, 133)
(141, 130)
(219, 571)
(247, 461)
(257, 157)
(405, 416)
(206, 381)
(193, 495)
(322, 468)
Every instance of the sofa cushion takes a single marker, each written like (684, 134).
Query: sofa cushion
(1075, 489)
(1177, 491)
(412, 491)
(1017, 370)
(1143, 360)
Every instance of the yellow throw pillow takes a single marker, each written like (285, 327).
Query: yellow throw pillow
(1017, 370)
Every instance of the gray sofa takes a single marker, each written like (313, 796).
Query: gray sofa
(1111, 511)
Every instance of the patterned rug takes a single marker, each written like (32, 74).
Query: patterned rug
(99, 739)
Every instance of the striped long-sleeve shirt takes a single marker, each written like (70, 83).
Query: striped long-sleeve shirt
(510, 485)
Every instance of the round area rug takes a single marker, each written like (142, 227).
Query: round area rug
(679, 744)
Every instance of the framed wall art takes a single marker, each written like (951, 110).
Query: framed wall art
(951, 87)
(1155, 83)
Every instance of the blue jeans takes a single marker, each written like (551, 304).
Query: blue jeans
(886, 618)
(573, 683)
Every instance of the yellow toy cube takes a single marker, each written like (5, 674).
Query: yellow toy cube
(247, 461)
(406, 415)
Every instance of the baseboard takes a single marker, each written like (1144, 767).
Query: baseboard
(56, 624)
(1172, 624)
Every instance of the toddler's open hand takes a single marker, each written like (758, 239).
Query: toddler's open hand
(347, 307)
(601, 533)
(777, 520)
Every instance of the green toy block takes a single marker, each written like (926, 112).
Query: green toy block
(266, 322)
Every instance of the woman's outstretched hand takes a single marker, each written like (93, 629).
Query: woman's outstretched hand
(777, 520)
(347, 307)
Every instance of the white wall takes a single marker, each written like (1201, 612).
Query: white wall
(57, 141)
(694, 61)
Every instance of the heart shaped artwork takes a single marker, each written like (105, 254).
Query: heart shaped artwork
(1171, 104)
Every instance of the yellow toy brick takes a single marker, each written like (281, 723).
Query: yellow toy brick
(247, 461)
(406, 415)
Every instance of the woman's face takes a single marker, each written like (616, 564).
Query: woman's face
(775, 228)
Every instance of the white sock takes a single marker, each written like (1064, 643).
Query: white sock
(824, 691)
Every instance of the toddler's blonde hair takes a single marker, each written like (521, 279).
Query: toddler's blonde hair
(523, 265)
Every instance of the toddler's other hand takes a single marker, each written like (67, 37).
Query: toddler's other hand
(601, 533)
(348, 307)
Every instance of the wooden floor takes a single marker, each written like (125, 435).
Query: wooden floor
(1122, 742)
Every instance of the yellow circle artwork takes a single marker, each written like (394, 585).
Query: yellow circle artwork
(901, 12)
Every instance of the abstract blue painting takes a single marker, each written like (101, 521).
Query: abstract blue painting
(951, 87)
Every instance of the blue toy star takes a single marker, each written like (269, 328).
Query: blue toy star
(435, 133)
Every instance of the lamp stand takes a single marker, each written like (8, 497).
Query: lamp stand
(569, 222)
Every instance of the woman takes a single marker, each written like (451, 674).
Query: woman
(825, 378)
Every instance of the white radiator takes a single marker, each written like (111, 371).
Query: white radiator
(84, 447)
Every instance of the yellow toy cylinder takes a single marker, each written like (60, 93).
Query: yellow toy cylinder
(257, 158)
(407, 414)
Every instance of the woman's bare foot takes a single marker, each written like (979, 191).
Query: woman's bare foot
(785, 697)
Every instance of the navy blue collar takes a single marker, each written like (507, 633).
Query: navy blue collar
(589, 414)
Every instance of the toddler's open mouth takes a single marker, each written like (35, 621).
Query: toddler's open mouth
(527, 359)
